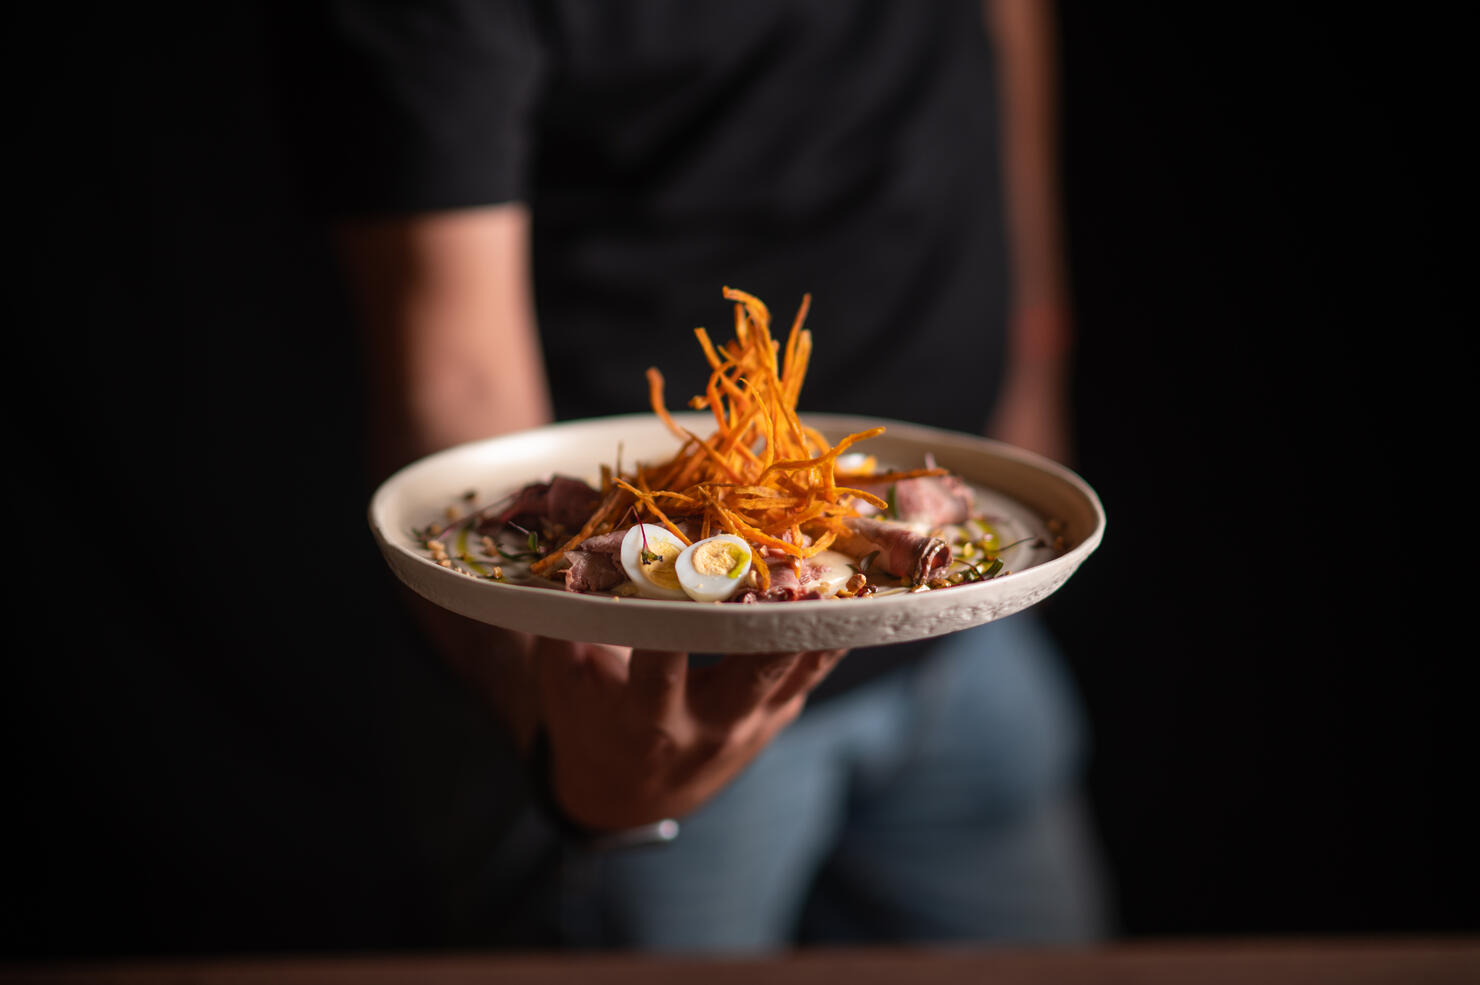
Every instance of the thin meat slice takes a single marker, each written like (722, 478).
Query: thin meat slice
(563, 501)
(928, 500)
(790, 580)
(608, 543)
(903, 552)
(593, 565)
(932, 500)
(591, 571)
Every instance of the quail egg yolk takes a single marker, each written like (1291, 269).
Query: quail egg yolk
(657, 565)
(715, 557)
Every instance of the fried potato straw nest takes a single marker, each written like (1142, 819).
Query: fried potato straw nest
(761, 474)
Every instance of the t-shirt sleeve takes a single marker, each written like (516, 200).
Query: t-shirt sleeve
(403, 106)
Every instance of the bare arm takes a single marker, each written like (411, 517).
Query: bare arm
(452, 354)
(1034, 410)
(453, 351)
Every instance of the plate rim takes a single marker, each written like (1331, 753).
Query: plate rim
(731, 617)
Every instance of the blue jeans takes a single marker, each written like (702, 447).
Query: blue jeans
(938, 803)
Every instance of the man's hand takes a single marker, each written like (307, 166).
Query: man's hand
(635, 738)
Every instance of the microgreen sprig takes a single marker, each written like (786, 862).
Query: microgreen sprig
(531, 538)
(648, 556)
(980, 570)
(991, 565)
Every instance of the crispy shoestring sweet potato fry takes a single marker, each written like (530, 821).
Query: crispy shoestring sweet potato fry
(762, 474)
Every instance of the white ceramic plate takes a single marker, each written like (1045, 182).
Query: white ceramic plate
(1030, 492)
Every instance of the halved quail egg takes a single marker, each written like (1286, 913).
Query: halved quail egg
(648, 555)
(710, 570)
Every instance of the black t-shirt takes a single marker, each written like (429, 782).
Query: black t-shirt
(667, 148)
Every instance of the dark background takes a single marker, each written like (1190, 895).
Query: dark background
(220, 737)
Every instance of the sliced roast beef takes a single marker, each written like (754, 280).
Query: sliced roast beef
(608, 543)
(933, 500)
(592, 571)
(903, 553)
(563, 501)
(593, 565)
(929, 500)
(775, 594)
(790, 580)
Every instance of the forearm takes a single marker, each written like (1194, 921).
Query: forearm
(447, 310)
(1024, 34)
(452, 355)
(1032, 411)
